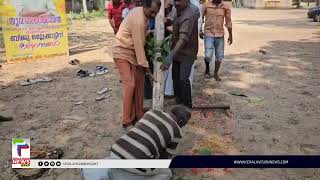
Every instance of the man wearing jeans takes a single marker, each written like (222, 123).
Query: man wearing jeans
(185, 50)
(215, 13)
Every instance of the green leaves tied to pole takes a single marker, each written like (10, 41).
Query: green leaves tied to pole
(157, 51)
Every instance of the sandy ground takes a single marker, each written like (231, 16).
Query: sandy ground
(279, 116)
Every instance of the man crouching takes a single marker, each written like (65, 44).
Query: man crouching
(155, 136)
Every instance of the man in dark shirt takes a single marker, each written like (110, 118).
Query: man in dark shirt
(185, 50)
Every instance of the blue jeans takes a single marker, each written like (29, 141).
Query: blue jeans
(216, 45)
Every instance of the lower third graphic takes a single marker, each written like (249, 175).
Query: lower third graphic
(20, 153)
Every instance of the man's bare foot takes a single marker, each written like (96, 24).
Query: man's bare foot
(207, 75)
(216, 76)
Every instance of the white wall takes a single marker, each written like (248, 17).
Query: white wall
(250, 3)
(263, 4)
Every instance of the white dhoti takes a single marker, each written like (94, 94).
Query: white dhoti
(123, 174)
(168, 86)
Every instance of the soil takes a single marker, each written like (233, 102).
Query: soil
(280, 114)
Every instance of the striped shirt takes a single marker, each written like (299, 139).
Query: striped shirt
(155, 134)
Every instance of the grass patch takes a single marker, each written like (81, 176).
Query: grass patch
(90, 15)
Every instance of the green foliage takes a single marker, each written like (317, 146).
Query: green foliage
(71, 15)
(150, 46)
(179, 178)
(203, 151)
(92, 15)
(82, 15)
(157, 51)
(102, 6)
(75, 16)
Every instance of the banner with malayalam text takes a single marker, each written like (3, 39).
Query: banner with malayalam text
(34, 29)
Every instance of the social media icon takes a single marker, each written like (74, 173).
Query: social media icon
(40, 163)
(58, 163)
(46, 163)
(52, 163)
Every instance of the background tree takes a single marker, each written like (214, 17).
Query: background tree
(84, 5)
(102, 5)
(298, 4)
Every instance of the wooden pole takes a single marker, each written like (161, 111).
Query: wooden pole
(158, 86)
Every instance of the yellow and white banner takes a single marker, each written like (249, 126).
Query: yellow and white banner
(34, 29)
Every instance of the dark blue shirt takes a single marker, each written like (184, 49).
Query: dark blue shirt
(151, 24)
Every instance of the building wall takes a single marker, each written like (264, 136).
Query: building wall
(250, 3)
(268, 3)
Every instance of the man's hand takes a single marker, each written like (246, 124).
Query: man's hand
(168, 21)
(165, 66)
(112, 25)
(114, 30)
(201, 34)
(168, 61)
(149, 74)
(29, 13)
(150, 32)
(151, 77)
(46, 14)
(230, 40)
(170, 28)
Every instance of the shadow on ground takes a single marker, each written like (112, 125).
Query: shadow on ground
(282, 23)
(282, 88)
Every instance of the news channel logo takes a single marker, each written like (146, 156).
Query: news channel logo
(20, 153)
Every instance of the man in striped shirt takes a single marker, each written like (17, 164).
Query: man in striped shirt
(155, 136)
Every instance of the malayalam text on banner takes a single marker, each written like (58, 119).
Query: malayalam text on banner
(34, 29)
